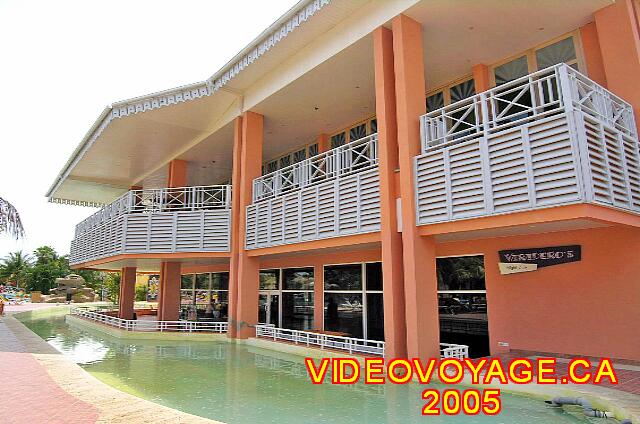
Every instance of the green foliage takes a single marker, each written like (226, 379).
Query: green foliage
(460, 273)
(112, 285)
(141, 293)
(92, 278)
(15, 268)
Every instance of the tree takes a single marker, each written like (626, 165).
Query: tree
(112, 284)
(10, 222)
(15, 268)
(47, 267)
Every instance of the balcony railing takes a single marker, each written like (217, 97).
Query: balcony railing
(551, 138)
(167, 220)
(341, 161)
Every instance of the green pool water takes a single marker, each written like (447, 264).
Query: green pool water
(238, 384)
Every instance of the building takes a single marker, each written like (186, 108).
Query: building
(409, 171)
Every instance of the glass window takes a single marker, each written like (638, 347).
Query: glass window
(297, 279)
(435, 101)
(461, 273)
(374, 276)
(285, 161)
(563, 51)
(186, 297)
(374, 126)
(462, 91)
(186, 282)
(300, 155)
(343, 277)
(220, 281)
(271, 167)
(511, 70)
(269, 279)
(343, 313)
(297, 310)
(202, 281)
(357, 132)
(375, 317)
(313, 150)
(338, 140)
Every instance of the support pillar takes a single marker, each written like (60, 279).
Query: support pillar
(592, 53)
(177, 173)
(618, 29)
(245, 270)
(318, 297)
(419, 253)
(480, 77)
(323, 143)
(391, 238)
(169, 291)
(127, 292)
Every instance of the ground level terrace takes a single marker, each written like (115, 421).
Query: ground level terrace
(581, 299)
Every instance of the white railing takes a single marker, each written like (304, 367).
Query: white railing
(551, 138)
(149, 325)
(324, 341)
(448, 350)
(532, 97)
(350, 158)
(161, 200)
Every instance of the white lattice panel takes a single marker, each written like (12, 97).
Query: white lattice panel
(347, 205)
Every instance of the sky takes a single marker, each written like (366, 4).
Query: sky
(62, 62)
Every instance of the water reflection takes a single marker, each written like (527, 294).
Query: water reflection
(239, 384)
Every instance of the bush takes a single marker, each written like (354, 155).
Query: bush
(141, 292)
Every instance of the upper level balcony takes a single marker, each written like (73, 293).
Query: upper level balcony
(166, 220)
(551, 138)
(332, 194)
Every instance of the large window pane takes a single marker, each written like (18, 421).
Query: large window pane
(374, 276)
(297, 311)
(375, 317)
(343, 277)
(343, 313)
(269, 279)
(358, 132)
(186, 281)
(338, 140)
(462, 273)
(462, 91)
(435, 101)
(561, 52)
(202, 281)
(220, 281)
(186, 297)
(511, 70)
(297, 279)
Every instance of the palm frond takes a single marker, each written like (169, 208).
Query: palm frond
(10, 222)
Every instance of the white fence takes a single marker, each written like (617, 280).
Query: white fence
(192, 219)
(344, 160)
(148, 325)
(343, 206)
(324, 341)
(456, 351)
(551, 138)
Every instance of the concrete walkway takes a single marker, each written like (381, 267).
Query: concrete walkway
(39, 385)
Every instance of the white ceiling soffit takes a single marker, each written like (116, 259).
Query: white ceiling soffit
(462, 33)
(279, 39)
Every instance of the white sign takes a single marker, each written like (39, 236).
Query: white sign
(515, 267)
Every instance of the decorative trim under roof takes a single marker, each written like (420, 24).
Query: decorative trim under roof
(263, 43)
(75, 202)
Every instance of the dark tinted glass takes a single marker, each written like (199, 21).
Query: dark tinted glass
(343, 314)
(343, 277)
(297, 279)
(374, 276)
(375, 317)
(269, 279)
(297, 311)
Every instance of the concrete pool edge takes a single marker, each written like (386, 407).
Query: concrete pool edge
(622, 404)
(114, 405)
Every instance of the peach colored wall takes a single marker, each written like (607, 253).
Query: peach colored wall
(394, 304)
(236, 216)
(127, 293)
(589, 307)
(420, 284)
(592, 53)
(618, 33)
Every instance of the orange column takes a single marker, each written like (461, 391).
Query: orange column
(127, 292)
(592, 53)
(235, 225)
(318, 297)
(177, 173)
(169, 292)
(618, 33)
(245, 270)
(419, 253)
(391, 238)
(480, 77)
(323, 143)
